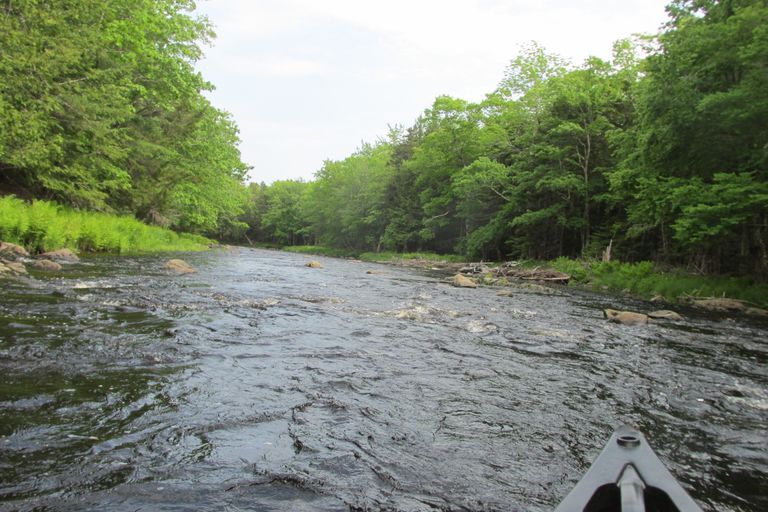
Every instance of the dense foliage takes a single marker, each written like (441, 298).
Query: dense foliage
(663, 150)
(45, 226)
(101, 108)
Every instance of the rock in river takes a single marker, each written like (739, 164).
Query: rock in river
(726, 305)
(665, 314)
(65, 255)
(179, 266)
(15, 266)
(625, 317)
(314, 264)
(463, 281)
(721, 304)
(12, 251)
(46, 265)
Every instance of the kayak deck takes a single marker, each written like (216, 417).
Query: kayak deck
(627, 476)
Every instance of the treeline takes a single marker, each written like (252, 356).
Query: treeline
(101, 109)
(664, 156)
(661, 152)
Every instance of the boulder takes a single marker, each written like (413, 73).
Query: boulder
(64, 255)
(463, 281)
(625, 317)
(16, 266)
(46, 265)
(665, 314)
(179, 266)
(756, 311)
(504, 293)
(314, 264)
(12, 251)
(721, 304)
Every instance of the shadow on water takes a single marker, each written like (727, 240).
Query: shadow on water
(260, 384)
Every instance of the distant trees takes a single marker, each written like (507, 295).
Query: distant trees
(101, 108)
(665, 155)
(663, 150)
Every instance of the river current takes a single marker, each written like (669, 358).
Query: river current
(261, 384)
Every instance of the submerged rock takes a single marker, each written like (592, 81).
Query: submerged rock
(12, 251)
(463, 281)
(314, 264)
(179, 266)
(65, 255)
(625, 317)
(665, 314)
(46, 265)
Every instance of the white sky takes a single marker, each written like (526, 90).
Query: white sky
(310, 80)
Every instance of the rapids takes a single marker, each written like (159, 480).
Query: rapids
(261, 384)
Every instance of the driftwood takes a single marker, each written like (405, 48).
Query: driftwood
(537, 274)
(511, 270)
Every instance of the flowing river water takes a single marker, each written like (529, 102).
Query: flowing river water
(261, 384)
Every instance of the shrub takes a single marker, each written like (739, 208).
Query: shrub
(45, 226)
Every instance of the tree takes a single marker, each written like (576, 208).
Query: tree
(285, 221)
(101, 107)
(701, 113)
(346, 201)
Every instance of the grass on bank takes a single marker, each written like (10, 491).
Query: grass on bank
(373, 257)
(395, 257)
(643, 279)
(320, 250)
(44, 226)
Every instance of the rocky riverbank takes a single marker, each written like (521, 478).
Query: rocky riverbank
(515, 274)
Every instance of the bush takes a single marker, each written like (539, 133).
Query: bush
(320, 250)
(578, 270)
(395, 256)
(644, 280)
(44, 226)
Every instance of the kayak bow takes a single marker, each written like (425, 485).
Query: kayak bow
(627, 476)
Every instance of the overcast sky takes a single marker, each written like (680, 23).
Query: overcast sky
(309, 80)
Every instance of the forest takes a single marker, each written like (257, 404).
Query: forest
(660, 152)
(101, 108)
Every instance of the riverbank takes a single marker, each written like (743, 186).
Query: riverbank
(42, 226)
(399, 258)
(645, 280)
(642, 279)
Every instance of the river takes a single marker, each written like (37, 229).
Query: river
(261, 384)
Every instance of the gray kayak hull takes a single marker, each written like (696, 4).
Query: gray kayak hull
(627, 476)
